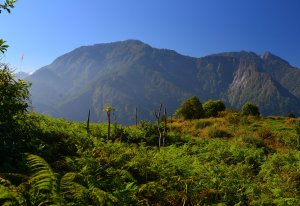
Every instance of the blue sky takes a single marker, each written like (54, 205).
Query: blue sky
(45, 29)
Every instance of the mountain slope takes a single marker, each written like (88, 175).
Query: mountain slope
(132, 74)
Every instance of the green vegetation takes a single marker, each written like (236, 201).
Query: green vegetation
(13, 96)
(250, 108)
(291, 115)
(231, 159)
(191, 109)
(7, 5)
(256, 164)
(213, 107)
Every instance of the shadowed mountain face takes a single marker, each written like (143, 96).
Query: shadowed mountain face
(132, 74)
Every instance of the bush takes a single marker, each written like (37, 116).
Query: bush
(215, 132)
(257, 142)
(14, 97)
(265, 133)
(191, 109)
(202, 124)
(213, 107)
(233, 118)
(291, 115)
(250, 108)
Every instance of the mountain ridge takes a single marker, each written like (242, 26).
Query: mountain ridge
(129, 74)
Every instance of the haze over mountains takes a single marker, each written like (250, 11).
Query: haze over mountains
(131, 74)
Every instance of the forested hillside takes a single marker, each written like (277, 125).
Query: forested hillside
(132, 74)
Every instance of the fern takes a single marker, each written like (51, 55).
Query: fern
(9, 194)
(43, 182)
(43, 178)
(72, 187)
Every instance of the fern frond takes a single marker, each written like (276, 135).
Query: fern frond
(102, 198)
(10, 196)
(43, 177)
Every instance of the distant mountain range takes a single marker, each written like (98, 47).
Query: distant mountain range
(21, 75)
(130, 74)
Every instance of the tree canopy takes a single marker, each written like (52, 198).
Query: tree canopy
(14, 95)
(191, 109)
(212, 107)
(7, 5)
(250, 108)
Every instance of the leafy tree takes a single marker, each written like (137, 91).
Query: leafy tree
(191, 109)
(8, 4)
(14, 96)
(212, 107)
(250, 108)
(291, 115)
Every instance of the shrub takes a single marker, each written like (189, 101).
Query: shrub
(191, 109)
(14, 96)
(250, 108)
(213, 107)
(202, 124)
(233, 118)
(253, 141)
(265, 133)
(215, 132)
(297, 128)
(291, 115)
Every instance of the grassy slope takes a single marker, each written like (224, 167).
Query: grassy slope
(227, 160)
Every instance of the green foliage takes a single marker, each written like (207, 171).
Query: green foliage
(3, 46)
(215, 132)
(265, 133)
(250, 108)
(201, 124)
(291, 115)
(91, 170)
(280, 179)
(13, 96)
(297, 128)
(8, 4)
(257, 142)
(213, 107)
(190, 109)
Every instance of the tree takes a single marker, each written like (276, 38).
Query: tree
(14, 96)
(212, 107)
(291, 115)
(8, 4)
(190, 109)
(250, 108)
(108, 109)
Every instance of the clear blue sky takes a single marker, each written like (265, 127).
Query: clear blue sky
(45, 29)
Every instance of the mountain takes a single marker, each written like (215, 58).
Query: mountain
(130, 74)
(21, 75)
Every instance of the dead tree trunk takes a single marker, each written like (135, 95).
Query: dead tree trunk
(157, 115)
(165, 127)
(136, 117)
(88, 123)
(108, 127)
